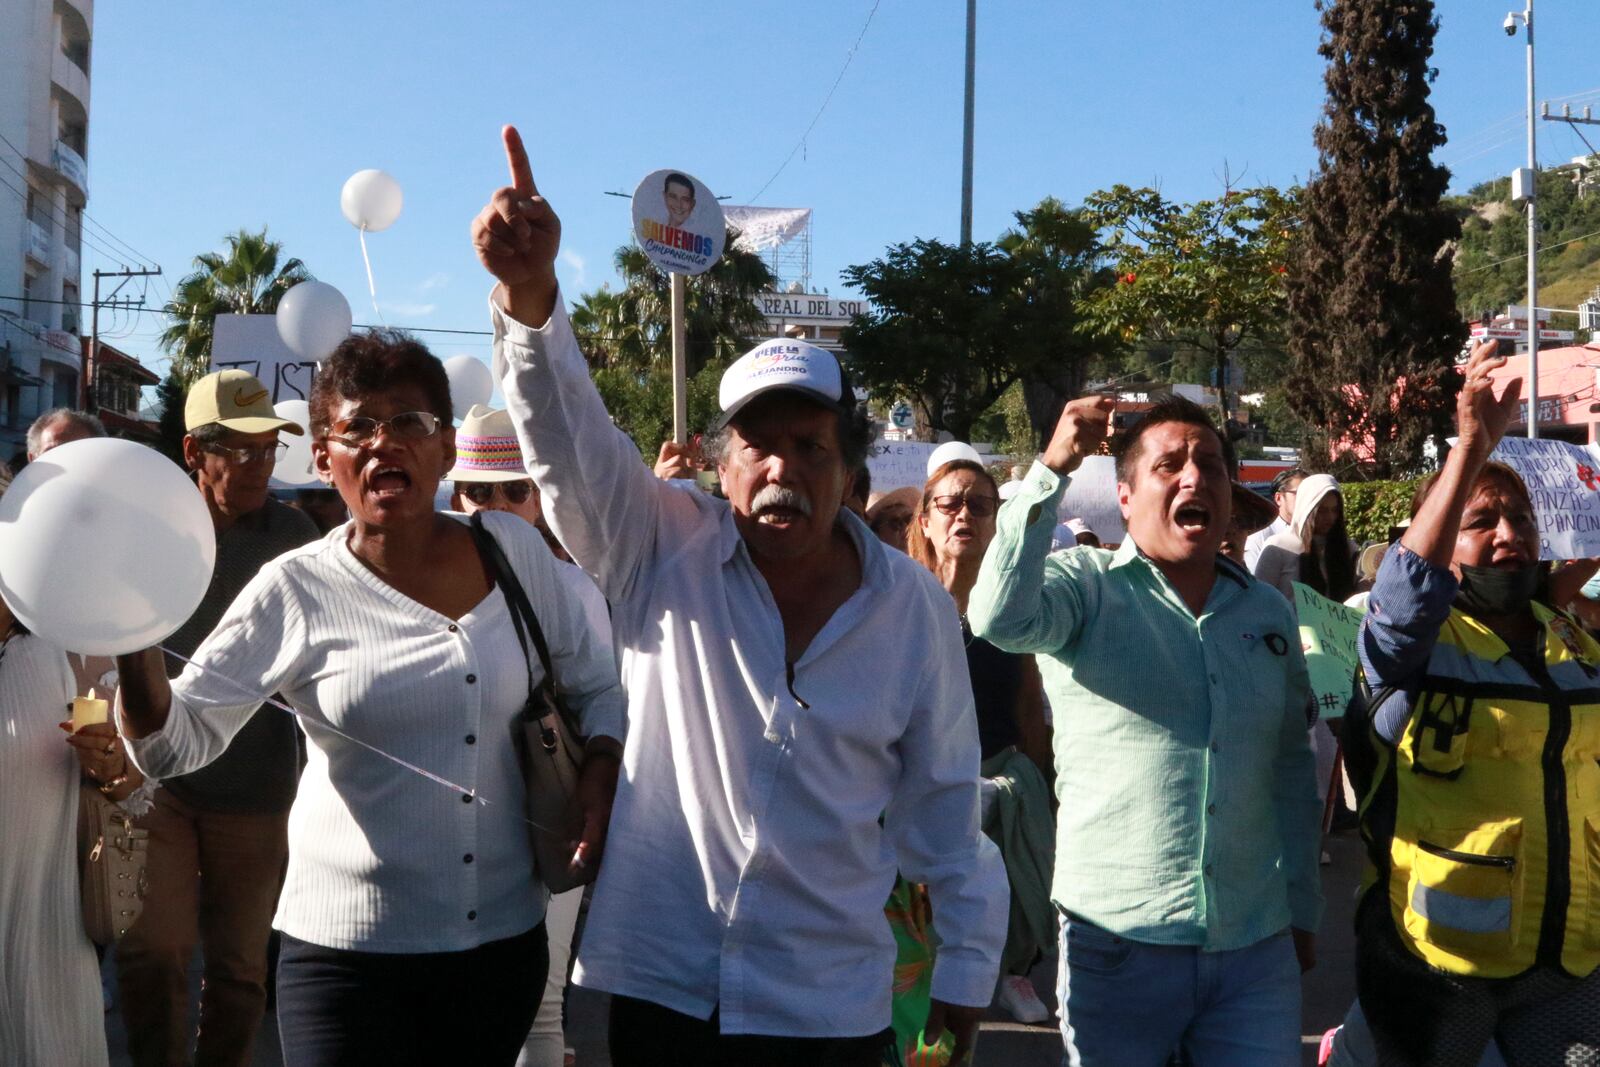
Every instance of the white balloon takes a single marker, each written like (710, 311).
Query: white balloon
(106, 547)
(313, 318)
(470, 383)
(371, 200)
(295, 466)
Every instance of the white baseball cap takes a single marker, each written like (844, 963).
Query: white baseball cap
(951, 451)
(784, 363)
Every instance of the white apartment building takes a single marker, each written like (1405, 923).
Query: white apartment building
(44, 134)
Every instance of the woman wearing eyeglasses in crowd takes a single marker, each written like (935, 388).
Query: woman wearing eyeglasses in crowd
(412, 926)
(950, 530)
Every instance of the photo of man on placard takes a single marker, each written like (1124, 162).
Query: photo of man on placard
(678, 193)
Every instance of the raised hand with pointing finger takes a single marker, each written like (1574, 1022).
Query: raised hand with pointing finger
(517, 236)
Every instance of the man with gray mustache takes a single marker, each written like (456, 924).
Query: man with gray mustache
(790, 681)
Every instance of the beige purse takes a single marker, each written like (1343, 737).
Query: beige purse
(111, 866)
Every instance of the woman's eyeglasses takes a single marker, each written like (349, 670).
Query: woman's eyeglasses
(979, 505)
(481, 493)
(408, 426)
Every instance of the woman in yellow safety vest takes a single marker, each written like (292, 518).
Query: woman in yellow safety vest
(1480, 920)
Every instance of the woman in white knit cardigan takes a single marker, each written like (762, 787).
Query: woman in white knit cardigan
(411, 920)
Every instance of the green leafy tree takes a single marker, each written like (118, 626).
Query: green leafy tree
(1206, 277)
(1374, 331)
(952, 328)
(1063, 268)
(247, 279)
(626, 337)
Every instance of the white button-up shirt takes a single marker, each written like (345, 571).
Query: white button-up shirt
(747, 868)
(381, 859)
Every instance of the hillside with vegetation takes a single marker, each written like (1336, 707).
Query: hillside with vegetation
(1491, 263)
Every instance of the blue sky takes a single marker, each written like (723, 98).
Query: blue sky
(209, 117)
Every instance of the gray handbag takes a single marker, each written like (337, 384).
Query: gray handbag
(111, 866)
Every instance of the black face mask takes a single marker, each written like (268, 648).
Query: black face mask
(1496, 590)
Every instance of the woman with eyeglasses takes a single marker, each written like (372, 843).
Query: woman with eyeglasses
(950, 530)
(412, 922)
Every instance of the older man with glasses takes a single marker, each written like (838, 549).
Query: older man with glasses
(218, 836)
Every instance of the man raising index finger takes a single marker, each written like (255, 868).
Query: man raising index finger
(738, 916)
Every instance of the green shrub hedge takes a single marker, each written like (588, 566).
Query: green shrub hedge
(1370, 508)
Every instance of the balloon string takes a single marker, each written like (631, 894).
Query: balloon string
(371, 288)
(280, 705)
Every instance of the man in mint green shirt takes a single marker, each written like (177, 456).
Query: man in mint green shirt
(1187, 844)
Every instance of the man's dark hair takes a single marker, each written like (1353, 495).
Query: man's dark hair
(374, 363)
(210, 433)
(1280, 481)
(679, 179)
(855, 437)
(1127, 447)
(863, 485)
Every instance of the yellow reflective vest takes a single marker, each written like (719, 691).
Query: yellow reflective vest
(1482, 818)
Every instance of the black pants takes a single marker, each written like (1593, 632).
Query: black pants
(643, 1034)
(1424, 1017)
(339, 1008)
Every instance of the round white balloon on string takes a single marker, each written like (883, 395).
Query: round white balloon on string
(295, 466)
(105, 546)
(471, 383)
(371, 200)
(313, 317)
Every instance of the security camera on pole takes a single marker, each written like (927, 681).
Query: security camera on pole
(679, 225)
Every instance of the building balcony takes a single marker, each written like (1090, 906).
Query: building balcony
(73, 266)
(73, 167)
(84, 8)
(39, 245)
(70, 78)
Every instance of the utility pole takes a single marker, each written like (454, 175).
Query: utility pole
(91, 398)
(1528, 180)
(966, 128)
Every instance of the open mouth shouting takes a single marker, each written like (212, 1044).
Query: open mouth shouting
(780, 507)
(388, 481)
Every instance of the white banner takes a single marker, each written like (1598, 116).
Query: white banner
(894, 464)
(1564, 482)
(1092, 496)
(252, 343)
(761, 228)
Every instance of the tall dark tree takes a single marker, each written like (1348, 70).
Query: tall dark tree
(1373, 327)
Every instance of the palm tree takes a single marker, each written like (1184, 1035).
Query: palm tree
(247, 280)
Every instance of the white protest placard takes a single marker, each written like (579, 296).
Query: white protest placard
(678, 222)
(1564, 482)
(1092, 496)
(896, 464)
(252, 344)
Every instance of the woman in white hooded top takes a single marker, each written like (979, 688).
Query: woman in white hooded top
(1315, 550)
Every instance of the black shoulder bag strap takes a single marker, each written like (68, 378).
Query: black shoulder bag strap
(543, 698)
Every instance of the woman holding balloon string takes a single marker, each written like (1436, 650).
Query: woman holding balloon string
(412, 930)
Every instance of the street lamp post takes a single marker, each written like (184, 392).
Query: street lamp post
(1529, 183)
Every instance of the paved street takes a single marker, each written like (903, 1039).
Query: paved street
(1328, 992)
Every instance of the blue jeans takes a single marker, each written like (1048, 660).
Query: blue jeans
(1130, 1004)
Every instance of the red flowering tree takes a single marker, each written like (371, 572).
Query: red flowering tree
(1208, 276)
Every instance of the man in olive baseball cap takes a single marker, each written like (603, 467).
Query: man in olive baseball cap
(236, 400)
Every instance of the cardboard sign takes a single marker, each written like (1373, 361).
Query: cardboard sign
(252, 343)
(1564, 482)
(1329, 632)
(678, 222)
(896, 464)
(1092, 496)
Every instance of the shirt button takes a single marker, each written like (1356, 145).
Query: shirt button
(1211, 809)
(467, 858)
(1213, 679)
(1215, 747)
(454, 628)
(472, 915)
(1208, 870)
(466, 798)
(472, 739)
(471, 678)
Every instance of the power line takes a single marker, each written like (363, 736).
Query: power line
(1524, 255)
(849, 56)
(89, 219)
(57, 216)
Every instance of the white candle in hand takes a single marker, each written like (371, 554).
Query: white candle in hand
(86, 711)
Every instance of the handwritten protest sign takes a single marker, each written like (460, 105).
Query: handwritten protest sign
(252, 343)
(1328, 635)
(1564, 482)
(1092, 496)
(895, 464)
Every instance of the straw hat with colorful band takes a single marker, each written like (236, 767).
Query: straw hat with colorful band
(487, 449)
(236, 400)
